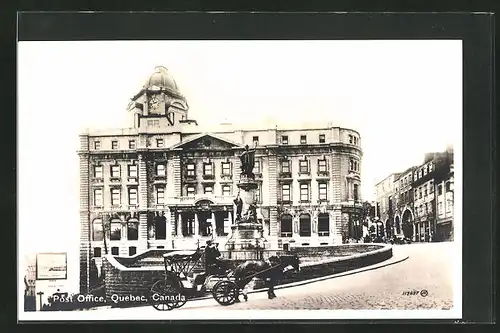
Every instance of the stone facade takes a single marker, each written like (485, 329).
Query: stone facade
(418, 203)
(165, 184)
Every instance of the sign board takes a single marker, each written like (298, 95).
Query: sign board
(51, 266)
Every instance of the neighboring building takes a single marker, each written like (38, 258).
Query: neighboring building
(30, 278)
(163, 183)
(403, 214)
(424, 200)
(385, 192)
(411, 201)
(444, 181)
(30, 284)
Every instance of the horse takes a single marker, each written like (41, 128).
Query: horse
(272, 269)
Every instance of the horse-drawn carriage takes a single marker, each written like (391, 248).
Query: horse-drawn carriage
(180, 283)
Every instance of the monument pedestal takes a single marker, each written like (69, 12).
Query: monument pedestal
(247, 241)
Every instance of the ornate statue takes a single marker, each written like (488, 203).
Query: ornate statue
(251, 213)
(247, 162)
(239, 206)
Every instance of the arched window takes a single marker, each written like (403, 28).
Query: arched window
(115, 230)
(97, 234)
(305, 225)
(286, 225)
(133, 230)
(398, 225)
(323, 224)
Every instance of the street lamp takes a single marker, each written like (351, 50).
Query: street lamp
(40, 293)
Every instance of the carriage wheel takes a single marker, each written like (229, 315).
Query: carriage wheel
(225, 292)
(161, 296)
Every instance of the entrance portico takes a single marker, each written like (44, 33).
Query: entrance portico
(202, 221)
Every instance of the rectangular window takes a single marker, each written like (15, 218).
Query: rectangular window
(284, 139)
(97, 145)
(132, 196)
(440, 208)
(323, 194)
(207, 169)
(131, 144)
(226, 168)
(98, 171)
(159, 143)
(208, 190)
(160, 195)
(226, 190)
(114, 144)
(350, 139)
(132, 250)
(304, 166)
(303, 139)
(425, 171)
(160, 170)
(285, 166)
(431, 186)
(190, 169)
(255, 140)
(114, 250)
(257, 195)
(304, 192)
(97, 252)
(190, 191)
(256, 167)
(321, 138)
(425, 190)
(115, 196)
(115, 171)
(440, 189)
(98, 197)
(132, 171)
(322, 166)
(285, 192)
(449, 204)
(356, 192)
(447, 186)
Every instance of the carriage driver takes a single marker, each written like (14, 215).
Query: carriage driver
(214, 264)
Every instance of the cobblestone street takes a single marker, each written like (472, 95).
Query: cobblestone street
(423, 281)
(429, 268)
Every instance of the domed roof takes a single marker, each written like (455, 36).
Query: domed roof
(161, 78)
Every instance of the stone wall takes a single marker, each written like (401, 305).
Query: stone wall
(134, 276)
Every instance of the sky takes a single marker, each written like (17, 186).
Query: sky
(404, 97)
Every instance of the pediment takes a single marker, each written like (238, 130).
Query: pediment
(207, 142)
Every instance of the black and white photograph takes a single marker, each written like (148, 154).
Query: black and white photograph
(236, 179)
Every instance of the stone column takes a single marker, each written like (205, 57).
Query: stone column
(273, 170)
(84, 214)
(196, 225)
(429, 225)
(143, 203)
(336, 226)
(213, 224)
(179, 225)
